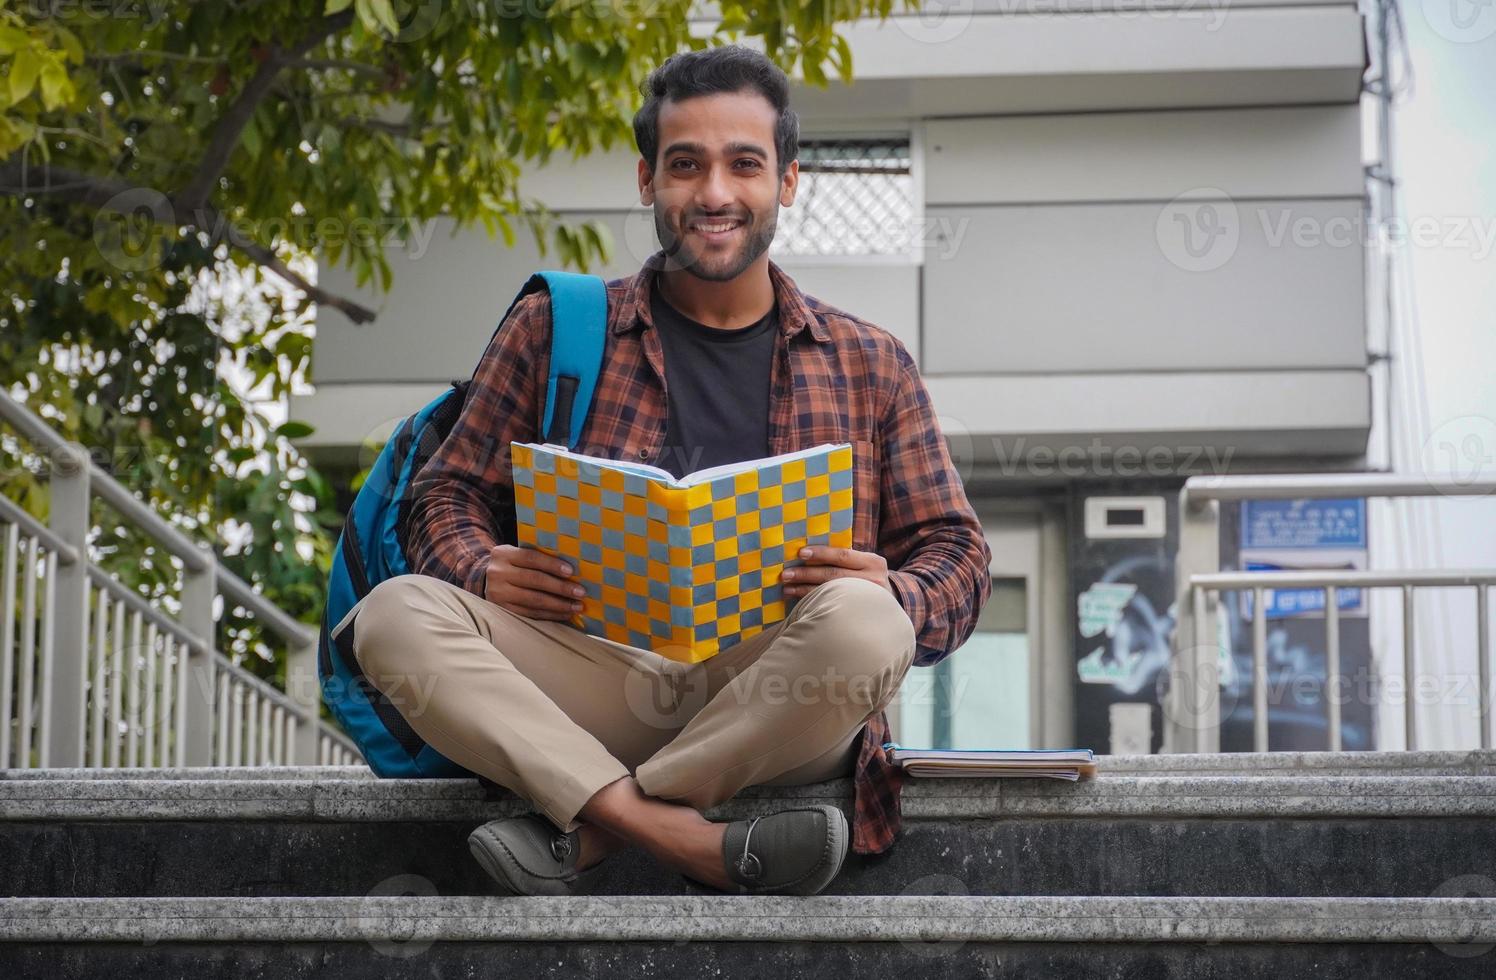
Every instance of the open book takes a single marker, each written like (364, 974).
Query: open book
(689, 567)
(1071, 764)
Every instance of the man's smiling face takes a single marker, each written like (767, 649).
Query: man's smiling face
(715, 188)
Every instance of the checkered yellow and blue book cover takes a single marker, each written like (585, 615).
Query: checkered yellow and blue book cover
(686, 568)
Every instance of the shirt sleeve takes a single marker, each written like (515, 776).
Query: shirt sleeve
(464, 495)
(929, 533)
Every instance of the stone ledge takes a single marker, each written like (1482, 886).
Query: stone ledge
(917, 919)
(1472, 762)
(338, 799)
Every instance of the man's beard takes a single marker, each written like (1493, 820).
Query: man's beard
(760, 228)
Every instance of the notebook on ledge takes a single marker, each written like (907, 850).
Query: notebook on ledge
(1071, 764)
(689, 567)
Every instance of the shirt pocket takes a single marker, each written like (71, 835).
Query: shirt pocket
(867, 467)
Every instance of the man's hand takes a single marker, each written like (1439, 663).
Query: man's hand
(822, 564)
(532, 584)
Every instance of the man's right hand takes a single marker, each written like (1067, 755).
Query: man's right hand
(532, 584)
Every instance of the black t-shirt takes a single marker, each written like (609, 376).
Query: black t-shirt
(717, 383)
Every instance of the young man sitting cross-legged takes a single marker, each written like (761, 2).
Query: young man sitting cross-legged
(712, 355)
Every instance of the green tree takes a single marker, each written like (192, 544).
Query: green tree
(168, 169)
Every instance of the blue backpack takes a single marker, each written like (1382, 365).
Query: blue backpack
(373, 547)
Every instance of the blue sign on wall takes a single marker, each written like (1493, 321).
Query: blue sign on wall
(1319, 524)
(1282, 603)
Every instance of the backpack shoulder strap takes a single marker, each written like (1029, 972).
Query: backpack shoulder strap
(579, 329)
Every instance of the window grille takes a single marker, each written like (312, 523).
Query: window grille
(856, 197)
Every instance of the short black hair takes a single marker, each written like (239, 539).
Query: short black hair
(726, 68)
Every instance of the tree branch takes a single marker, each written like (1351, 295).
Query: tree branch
(231, 125)
(123, 197)
(333, 64)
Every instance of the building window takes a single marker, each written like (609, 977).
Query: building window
(978, 697)
(856, 198)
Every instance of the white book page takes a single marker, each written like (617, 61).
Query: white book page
(639, 469)
(726, 469)
(690, 479)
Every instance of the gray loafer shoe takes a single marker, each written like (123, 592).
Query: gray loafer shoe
(793, 852)
(528, 856)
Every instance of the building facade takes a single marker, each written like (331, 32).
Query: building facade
(1124, 243)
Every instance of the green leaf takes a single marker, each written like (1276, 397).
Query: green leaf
(378, 14)
(23, 72)
(12, 39)
(336, 7)
(250, 138)
(71, 46)
(294, 430)
(57, 88)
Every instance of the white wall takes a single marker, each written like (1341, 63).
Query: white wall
(1064, 158)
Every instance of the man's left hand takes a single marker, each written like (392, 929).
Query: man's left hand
(822, 564)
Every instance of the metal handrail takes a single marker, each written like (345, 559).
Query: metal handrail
(1332, 581)
(118, 496)
(257, 684)
(1196, 727)
(241, 593)
(10, 513)
(137, 604)
(1318, 486)
(1344, 578)
(77, 478)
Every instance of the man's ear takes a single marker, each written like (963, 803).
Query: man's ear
(788, 184)
(646, 183)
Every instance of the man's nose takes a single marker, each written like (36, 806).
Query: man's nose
(716, 191)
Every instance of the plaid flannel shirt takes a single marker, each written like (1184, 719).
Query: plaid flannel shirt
(835, 378)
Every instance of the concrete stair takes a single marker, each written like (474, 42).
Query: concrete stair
(1303, 864)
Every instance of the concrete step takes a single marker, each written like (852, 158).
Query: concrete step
(628, 937)
(1333, 825)
(1465, 762)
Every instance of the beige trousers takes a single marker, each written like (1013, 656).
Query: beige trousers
(555, 714)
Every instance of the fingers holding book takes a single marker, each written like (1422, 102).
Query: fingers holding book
(533, 584)
(822, 564)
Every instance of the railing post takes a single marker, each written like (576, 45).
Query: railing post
(63, 738)
(301, 685)
(1192, 708)
(195, 720)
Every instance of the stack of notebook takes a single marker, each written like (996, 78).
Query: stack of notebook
(1071, 764)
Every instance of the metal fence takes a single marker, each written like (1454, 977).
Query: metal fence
(93, 674)
(1192, 704)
